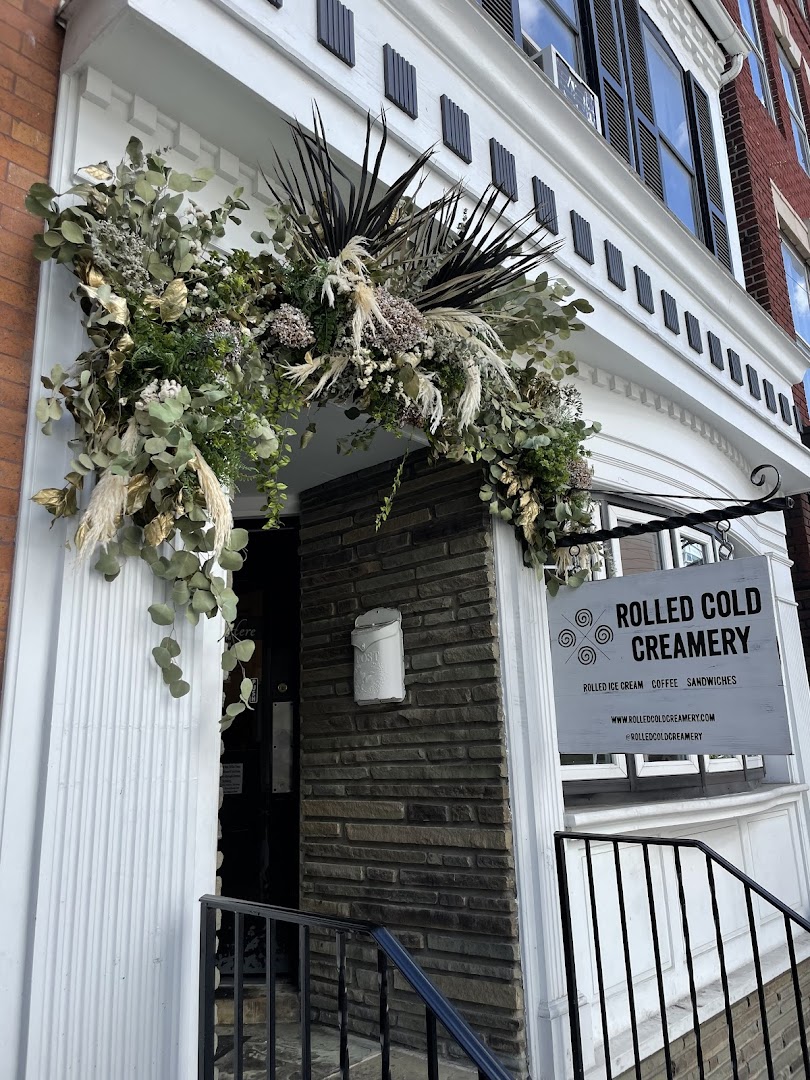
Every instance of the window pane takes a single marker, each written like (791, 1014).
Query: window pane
(747, 17)
(800, 139)
(789, 83)
(640, 554)
(796, 276)
(693, 553)
(757, 77)
(679, 189)
(543, 26)
(586, 759)
(668, 98)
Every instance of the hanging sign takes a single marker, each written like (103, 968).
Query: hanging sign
(677, 662)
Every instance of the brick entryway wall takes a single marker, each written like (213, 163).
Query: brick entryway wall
(405, 809)
(30, 51)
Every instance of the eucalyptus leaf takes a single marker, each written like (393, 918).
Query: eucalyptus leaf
(244, 649)
(203, 601)
(238, 539)
(179, 689)
(161, 614)
(231, 560)
(171, 673)
(162, 656)
(184, 563)
(72, 232)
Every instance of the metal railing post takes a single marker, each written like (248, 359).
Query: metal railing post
(570, 964)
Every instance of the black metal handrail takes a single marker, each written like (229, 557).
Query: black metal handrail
(390, 952)
(713, 858)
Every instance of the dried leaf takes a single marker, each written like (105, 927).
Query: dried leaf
(101, 172)
(118, 309)
(174, 300)
(81, 535)
(53, 499)
(158, 529)
(137, 492)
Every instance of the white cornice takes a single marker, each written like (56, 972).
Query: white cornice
(461, 38)
(679, 414)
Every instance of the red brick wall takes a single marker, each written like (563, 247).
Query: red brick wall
(761, 150)
(30, 48)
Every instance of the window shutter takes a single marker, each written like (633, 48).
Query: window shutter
(608, 77)
(640, 96)
(506, 14)
(708, 173)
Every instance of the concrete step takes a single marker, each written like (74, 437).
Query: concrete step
(254, 1004)
(364, 1056)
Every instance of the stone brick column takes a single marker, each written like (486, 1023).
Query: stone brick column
(405, 807)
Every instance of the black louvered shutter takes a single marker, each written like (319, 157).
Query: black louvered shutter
(707, 171)
(607, 75)
(506, 13)
(645, 128)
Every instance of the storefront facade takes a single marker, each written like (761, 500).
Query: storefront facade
(435, 817)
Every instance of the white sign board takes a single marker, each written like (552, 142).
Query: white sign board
(677, 662)
(231, 780)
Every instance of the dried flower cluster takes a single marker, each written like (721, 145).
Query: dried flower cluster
(291, 327)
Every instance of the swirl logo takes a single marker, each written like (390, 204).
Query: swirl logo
(586, 637)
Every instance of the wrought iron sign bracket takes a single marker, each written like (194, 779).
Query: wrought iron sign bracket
(766, 505)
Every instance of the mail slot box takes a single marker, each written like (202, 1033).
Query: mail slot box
(379, 662)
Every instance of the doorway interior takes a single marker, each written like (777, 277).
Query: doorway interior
(259, 815)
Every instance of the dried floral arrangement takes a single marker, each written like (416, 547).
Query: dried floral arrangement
(431, 317)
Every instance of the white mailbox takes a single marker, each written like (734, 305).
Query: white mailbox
(379, 659)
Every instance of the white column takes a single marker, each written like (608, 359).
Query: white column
(108, 786)
(128, 839)
(535, 782)
(796, 768)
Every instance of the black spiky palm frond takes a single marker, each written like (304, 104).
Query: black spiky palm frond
(342, 207)
(485, 255)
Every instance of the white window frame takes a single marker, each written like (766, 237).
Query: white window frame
(616, 769)
(636, 517)
(693, 536)
(723, 764)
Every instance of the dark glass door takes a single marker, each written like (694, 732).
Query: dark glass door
(260, 777)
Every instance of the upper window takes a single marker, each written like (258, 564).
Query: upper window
(796, 113)
(551, 22)
(798, 283)
(654, 114)
(669, 99)
(756, 58)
